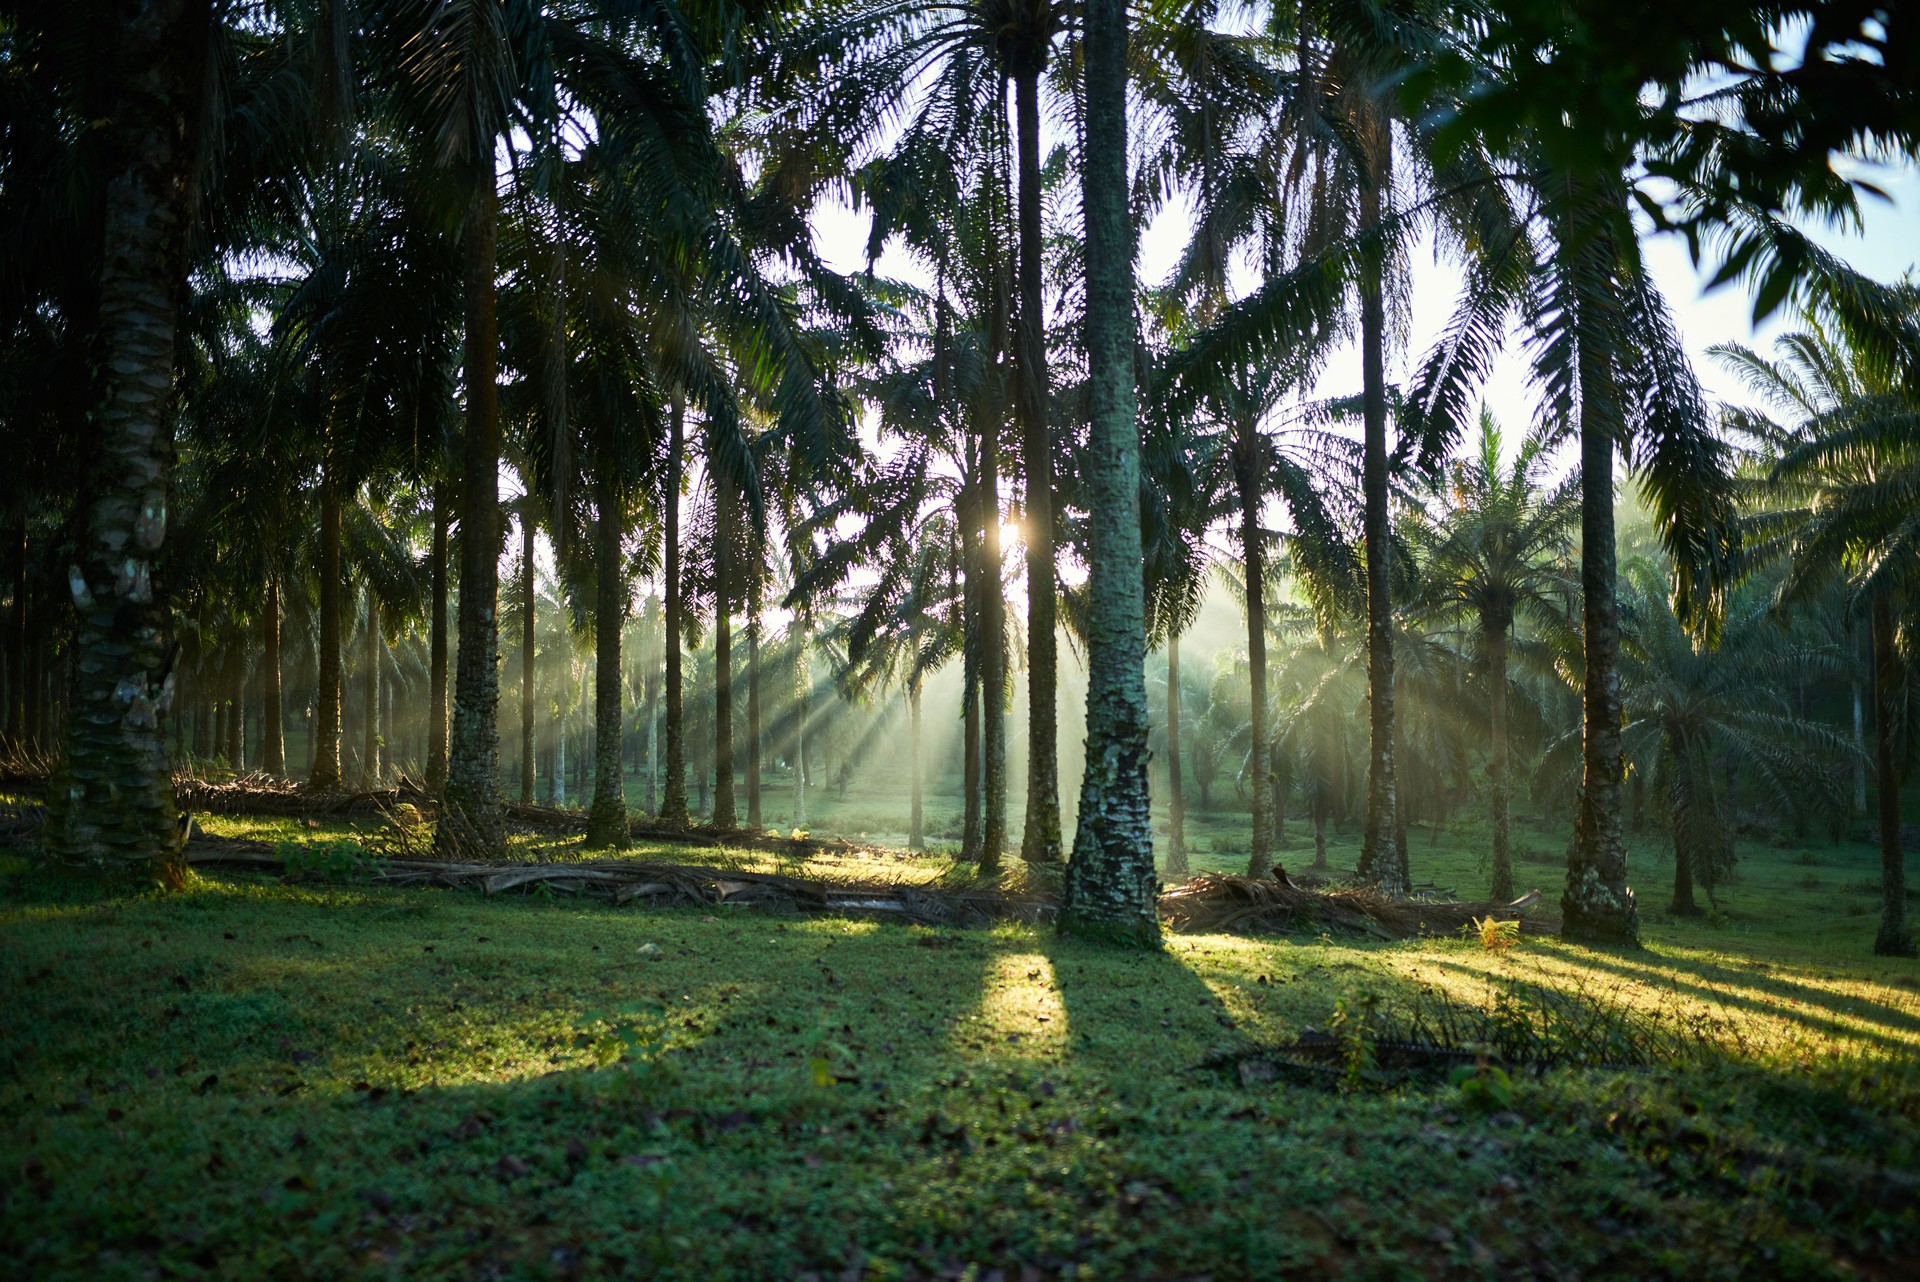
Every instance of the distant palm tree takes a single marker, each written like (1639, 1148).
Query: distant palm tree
(1841, 503)
(1500, 550)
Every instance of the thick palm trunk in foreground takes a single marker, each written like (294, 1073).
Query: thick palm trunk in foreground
(1379, 857)
(1597, 906)
(1109, 890)
(607, 821)
(1893, 939)
(111, 806)
(470, 818)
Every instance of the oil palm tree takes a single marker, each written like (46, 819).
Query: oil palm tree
(1497, 553)
(1836, 429)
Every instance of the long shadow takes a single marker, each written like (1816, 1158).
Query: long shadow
(1832, 1023)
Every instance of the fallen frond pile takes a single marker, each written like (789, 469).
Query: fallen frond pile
(1257, 905)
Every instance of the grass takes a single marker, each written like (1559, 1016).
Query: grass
(250, 1078)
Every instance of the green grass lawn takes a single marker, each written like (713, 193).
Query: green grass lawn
(257, 1079)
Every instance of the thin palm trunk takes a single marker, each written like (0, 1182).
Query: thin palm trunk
(673, 802)
(437, 646)
(1246, 472)
(237, 717)
(528, 656)
(1040, 841)
(16, 739)
(801, 680)
(272, 729)
(1597, 907)
(1380, 862)
(1494, 632)
(970, 831)
(916, 822)
(993, 666)
(724, 815)
(470, 817)
(323, 770)
(1176, 786)
(1859, 743)
(1109, 888)
(370, 696)
(1894, 940)
(607, 820)
(753, 714)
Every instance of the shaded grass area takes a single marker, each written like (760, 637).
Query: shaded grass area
(251, 1078)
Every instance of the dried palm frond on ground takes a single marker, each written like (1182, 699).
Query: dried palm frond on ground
(1255, 905)
(653, 882)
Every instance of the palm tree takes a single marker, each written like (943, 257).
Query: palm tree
(1110, 878)
(1496, 554)
(1844, 490)
(1685, 705)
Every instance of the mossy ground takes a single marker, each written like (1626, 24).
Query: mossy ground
(250, 1078)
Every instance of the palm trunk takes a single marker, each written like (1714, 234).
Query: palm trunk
(370, 688)
(110, 806)
(1277, 806)
(1860, 749)
(470, 819)
(1597, 906)
(1246, 475)
(673, 803)
(993, 664)
(916, 821)
(970, 830)
(557, 794)
(528, 657)
(1176, 787)
(1494, 631)
(753, 714)
(1379, 855)
(800, 727)
(1894, 940)
(323, 770)
(1040, 841)
(723, 543)
(1319, 830)
(272, 727)
(1109, 888)
(437, 646)
(16, 739)
(607, 821)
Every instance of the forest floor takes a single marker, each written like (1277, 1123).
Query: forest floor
(253, 1078)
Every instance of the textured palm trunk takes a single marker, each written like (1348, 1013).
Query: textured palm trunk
(970, 827)
(1319, 833)
(1379, 855)
(724, 815)
(1494, 633)
(1040, 841)
(470, 818)
(653, 745)
(272, 700)
(1109, 888)
(370, 690)
(1278, 804)
(673, 798)
(993, 665)
(110, 806)
(1246, 476)
(237, 715)
(1597, 906)
(607, 820)
(916, 816)
(16, 740)
(437, 646)
(323, 769)
(1894, 939)
(1176, 787)
(528, 657)
(753, 715)
(801, 679)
